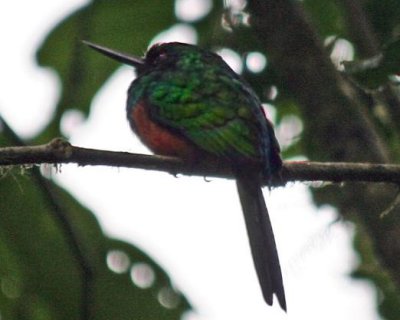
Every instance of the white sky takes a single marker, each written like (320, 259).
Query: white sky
(193, 228)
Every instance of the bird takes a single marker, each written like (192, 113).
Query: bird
(186, 102)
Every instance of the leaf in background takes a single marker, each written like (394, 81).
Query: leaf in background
(120, 24)
(142, 291)
(370, 269)
(55, 259)
(326, 17)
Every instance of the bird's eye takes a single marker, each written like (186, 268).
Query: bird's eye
(157, 54)
(161, 57)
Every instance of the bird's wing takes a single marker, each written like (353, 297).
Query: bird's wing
(222, 118)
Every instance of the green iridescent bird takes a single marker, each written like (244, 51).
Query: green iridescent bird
(187, 102)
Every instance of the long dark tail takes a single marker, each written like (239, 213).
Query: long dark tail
(261, 237)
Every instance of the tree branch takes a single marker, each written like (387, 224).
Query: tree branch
(59, 151)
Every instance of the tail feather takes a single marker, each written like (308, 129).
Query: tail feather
(261, 237)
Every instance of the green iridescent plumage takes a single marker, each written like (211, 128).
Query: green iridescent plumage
(197, 94)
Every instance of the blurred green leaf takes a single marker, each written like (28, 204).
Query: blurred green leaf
(370, 269)
(326, 17)
(143, 300)
(41, 271)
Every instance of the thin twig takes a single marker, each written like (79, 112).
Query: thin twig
(395, 203)
(59, 151)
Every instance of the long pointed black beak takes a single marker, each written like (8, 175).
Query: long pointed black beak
(119, 56)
